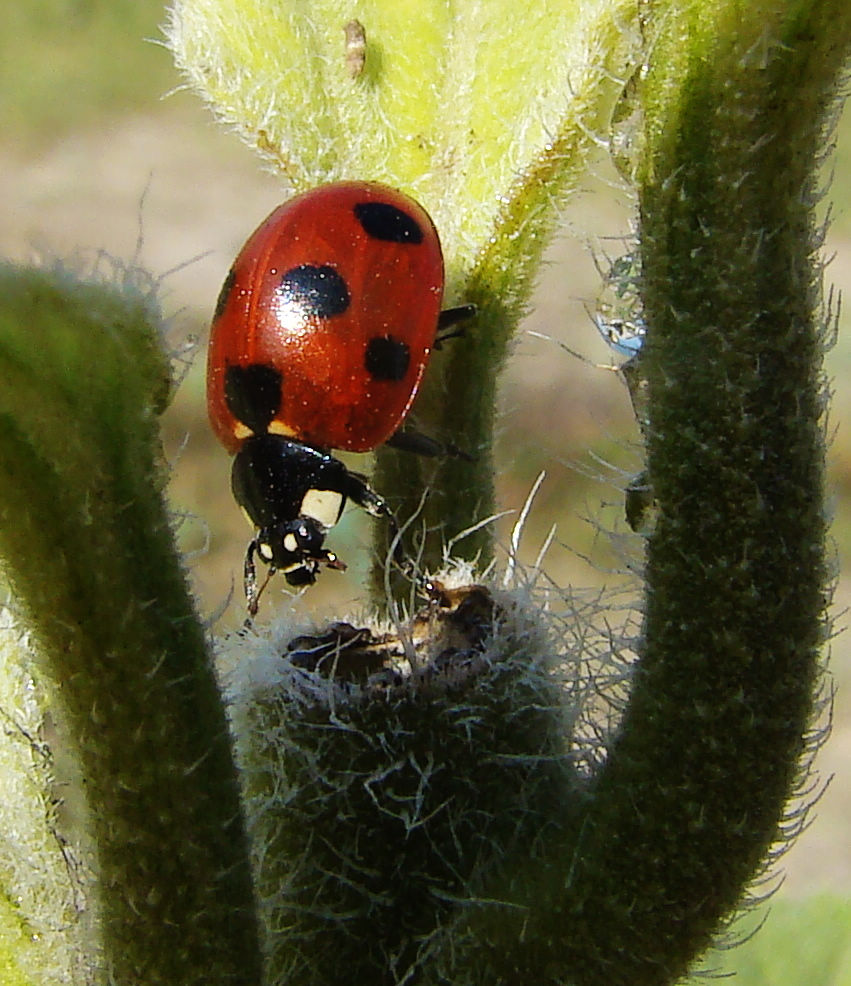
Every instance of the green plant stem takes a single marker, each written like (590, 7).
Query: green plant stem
(445, 497)
(88, 550)
(694, 790)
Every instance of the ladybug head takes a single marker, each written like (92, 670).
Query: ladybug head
(294, 547)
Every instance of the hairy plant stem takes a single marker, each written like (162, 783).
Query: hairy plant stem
(89, 553)
(722, 705)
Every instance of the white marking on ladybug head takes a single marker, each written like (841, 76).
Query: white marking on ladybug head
(323, 506)
(290, 543)
(265, 551)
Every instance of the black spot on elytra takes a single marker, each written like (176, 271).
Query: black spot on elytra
(224, 294)
(387, 358)
(253, 395)
(312, 290)
(385, 222)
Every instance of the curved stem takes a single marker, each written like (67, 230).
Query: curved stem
(694, 791)
(88, 550)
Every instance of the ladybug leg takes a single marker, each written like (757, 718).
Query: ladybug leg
(414, 441)
(252, 593)
(449, 317)
(249, 578)
(410, 440)
(360, 492)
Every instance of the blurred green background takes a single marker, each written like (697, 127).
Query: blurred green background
(103, 151)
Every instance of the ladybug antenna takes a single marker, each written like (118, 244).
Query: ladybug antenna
(332, 561)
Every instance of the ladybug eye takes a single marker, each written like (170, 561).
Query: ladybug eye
(309, 539)
(292, 545)
(299, 541)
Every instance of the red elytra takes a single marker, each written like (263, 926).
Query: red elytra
(325, 323)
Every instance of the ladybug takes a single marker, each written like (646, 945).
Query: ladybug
(321, 333)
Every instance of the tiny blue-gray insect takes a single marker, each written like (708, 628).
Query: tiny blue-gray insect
(625, 336)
